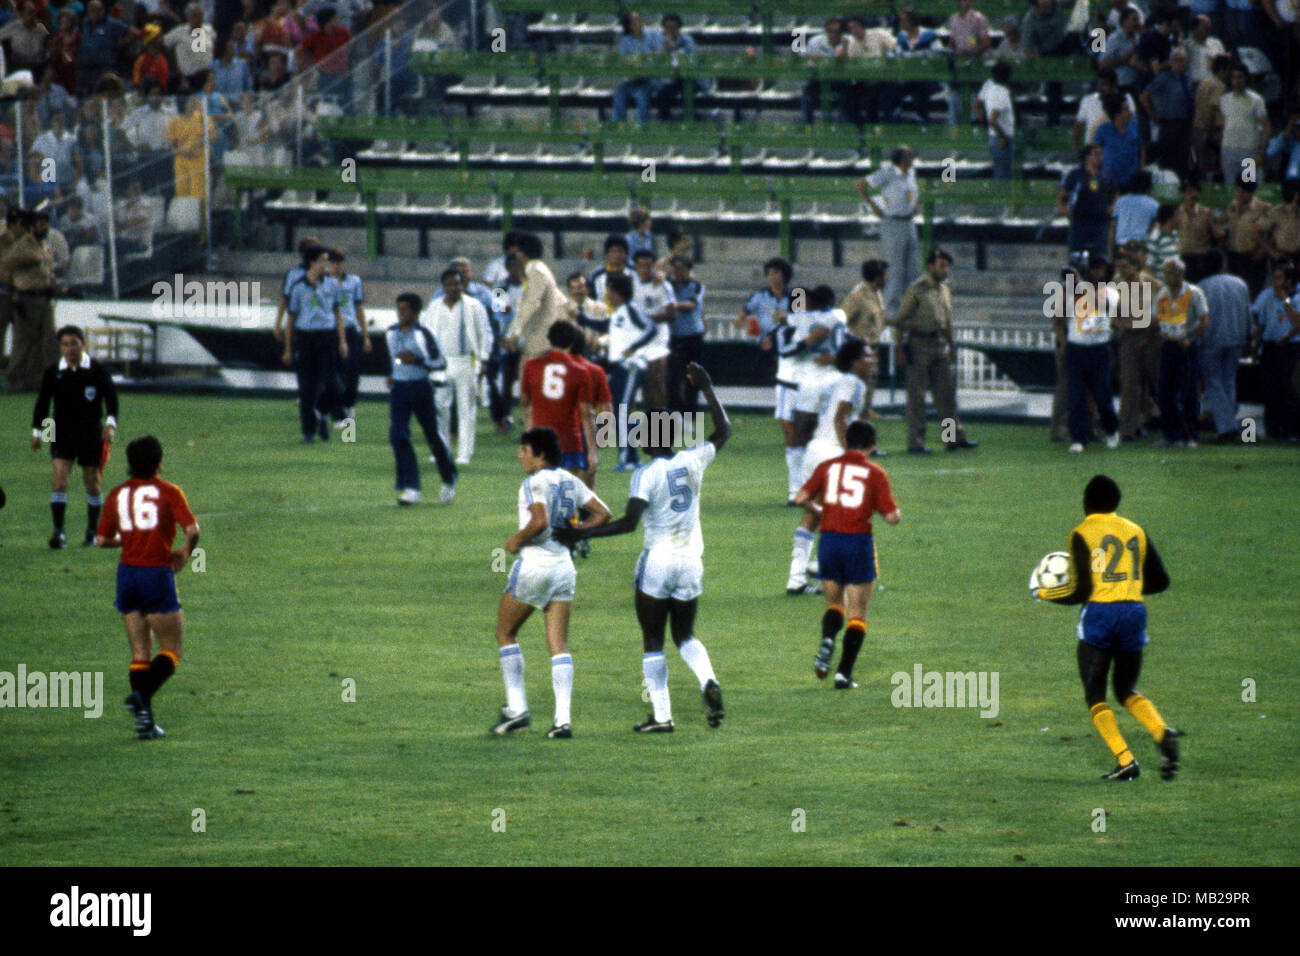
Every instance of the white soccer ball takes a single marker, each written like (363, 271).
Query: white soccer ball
(1052, 572)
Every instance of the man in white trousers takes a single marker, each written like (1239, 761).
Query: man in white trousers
(460, 325)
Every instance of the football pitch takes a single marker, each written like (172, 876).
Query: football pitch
(317, 588)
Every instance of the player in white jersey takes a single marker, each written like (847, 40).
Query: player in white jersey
(841, 403)
(670, 570)
(654, 298)
(799, 340)
(542, 577)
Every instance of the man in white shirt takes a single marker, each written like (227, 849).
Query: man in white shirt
(193, 44)
(630, 331)
(1091, 112)
(652, 296)
(1246, 130)
(993, 102)
(899, 243)
(829, 43)
(670, 570)
(1202, 48)
(460, 325)
(1091, 310)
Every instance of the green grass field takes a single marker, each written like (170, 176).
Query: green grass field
(313, 575)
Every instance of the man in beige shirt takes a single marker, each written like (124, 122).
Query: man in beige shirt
(864, 314)
(1248, 218)
(542, 303)
(1197, 230)
(1284, 226)
(925, 326)
(35, 347)
(1205, 119)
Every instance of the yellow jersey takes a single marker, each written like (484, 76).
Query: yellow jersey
(1111, 559)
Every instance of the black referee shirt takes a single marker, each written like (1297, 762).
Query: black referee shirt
(80, 396)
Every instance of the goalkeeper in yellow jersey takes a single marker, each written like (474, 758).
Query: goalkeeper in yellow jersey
(1119, 566)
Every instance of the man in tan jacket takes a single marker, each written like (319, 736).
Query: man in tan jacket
(35, 347)
(542, 303)
(864, 314)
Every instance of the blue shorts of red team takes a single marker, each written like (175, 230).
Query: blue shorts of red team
(147, 590)
(1114, 625)
(574, 460)
(846, 558)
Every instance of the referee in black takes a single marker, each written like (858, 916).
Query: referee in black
(81, 390)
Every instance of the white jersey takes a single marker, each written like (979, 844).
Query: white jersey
(562, 494)
(794, 361)
(651, 298)
(629, 327)
(670, 487)
(847, 388)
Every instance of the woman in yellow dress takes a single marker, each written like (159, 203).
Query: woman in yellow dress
(186, 136)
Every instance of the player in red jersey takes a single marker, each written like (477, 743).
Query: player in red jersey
(602, 399)
(141, 517)
(555, 392)
(846, 491)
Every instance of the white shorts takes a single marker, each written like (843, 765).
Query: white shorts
(785, 401)
(817, 451)
(812, 388)
(539, 582)
(662, 574)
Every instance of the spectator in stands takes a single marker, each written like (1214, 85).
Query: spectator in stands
(193, 45)
(219, 110)
(1170, 102)
(352, 14)
(1044, 31)
(133, 221)
(639, 237)
(1183, 319)
(1113, 17)
(185, 134)
(1091, 113)
(25, 39)
(1087, 198)
(1202, 48)
(63, 45)
(102, 37)
(1277, 330)
(864, 314)
(1122, 152)
(152, 63)
(250, 130)
(52, 98)
(88, 156)
(1135, 212)
(146, 129)
(829, 43)
(866, 102)
(1283, 237)
(56, 242)
(1284, 148)
(1162, 239)
(1139, 348)
(245, 44)
(896, 183)
(36, 188)
(678, 45)
(1197, 231)
(993, 105)
(1241, 23)
(326, 46)
(275, 75)
(1244, 119)
(1012, 48)
(78, 226)
(636, 41)
(1121, 51)
(916, 40)
(968, 30)
(57, 143)
(276, 32)
(1205, 124)
(1248, 218)
(1157, 43)
(231, 74)
(1219, 350)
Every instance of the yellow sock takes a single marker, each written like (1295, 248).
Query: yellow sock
(1103, 718)
(1146, 714)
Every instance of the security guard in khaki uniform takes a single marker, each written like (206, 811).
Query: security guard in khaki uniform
(925, 329)
(864, 313)
(35, 346)
(13, 229)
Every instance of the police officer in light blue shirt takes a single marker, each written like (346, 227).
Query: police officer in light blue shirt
(767, 308)
(356, 329)
(290, 280)
(1279, 350)
(315, 342)
(686, 341)
(412, 354)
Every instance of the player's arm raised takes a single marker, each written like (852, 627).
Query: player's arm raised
(699, 378)
(538, 523)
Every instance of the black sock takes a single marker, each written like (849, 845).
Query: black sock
(92, 519)
(137, 678)
(160, 668)
(853, 638)
(58, 505)
(832, 621)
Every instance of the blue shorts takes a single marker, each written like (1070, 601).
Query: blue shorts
(574, 460)
(1114, 626)
(147, 590)
(846, 558)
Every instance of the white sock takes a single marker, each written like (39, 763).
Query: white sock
(655, 668)
(794, 469)
(802, 551)
(697, 659)
(512, 669)
(562, 683)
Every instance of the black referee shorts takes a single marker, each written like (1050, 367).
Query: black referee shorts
(84, 449)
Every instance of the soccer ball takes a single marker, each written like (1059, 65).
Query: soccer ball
(1052, 572)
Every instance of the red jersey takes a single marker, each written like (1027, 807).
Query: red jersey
(146, 512)
(555, 385)
(851, 487)
(600, 393)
